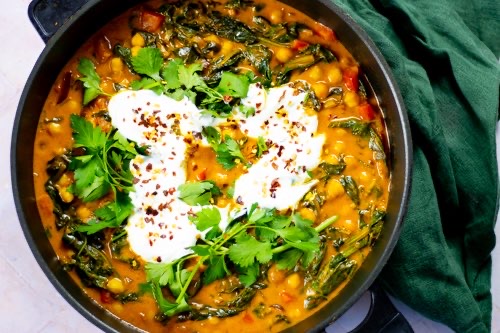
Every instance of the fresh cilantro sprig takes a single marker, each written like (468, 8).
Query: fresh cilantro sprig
(177, 80)
(227, 151)
(104, 167)
(198, 193)
(246, 244)
(91, 81)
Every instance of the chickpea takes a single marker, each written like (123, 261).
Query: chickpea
(138, 40)
(335, 75)
(320, 89)
(293, 281)
(115, 285)
(116, 65)
(315, 73)
(351, 99)
(65, 195)
(334, 189)
(71, 106)
(83, 213)
(276, 16)
(308, 213)
(64, 181)
(284, 54)
(54, 128)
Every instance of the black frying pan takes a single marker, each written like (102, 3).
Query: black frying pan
(63, 40)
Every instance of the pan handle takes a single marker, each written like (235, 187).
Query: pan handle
(382, 317)
(48, 15)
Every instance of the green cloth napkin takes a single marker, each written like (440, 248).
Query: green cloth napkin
(444, 55)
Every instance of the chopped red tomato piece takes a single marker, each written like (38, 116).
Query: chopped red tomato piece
(149, 21)
(247, 318)
(350, 76)
(366, 111)
(202, 175)
(106, 297)
(299, 45)
(326, 33)
(286, 297)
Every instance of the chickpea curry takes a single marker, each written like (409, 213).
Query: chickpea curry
(205, 165)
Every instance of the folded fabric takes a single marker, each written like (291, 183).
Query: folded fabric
(444, 56)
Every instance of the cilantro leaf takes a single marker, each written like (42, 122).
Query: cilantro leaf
(288, 259)
(247, 250)
(249, 275)
(148, 61)
(170, 73)
(147, 83)
(227, 152)
(198, 193)
(166, 307)
(233, 85)
(216, 269)
(206, 218)
(91, 80)
(188, 77)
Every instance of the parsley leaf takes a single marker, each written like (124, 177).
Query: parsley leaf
(198, 193)
(91, 80)
(86, 135)
(148, 61)
(247, 250)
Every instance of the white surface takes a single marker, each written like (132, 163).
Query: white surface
(28, 302)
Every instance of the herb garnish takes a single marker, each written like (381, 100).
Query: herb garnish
(274, 236)
(103, 167)
(91, 81)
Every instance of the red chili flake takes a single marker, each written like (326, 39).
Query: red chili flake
(274, 165)
(135, 180)
(174, 173)
(161, 225)
(145, 181)
(158, 186)
(171, 237)
(135, 166)
(150, 242)
(165, 193)
(154, 193)
(151, 211)
(159, 258)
